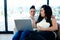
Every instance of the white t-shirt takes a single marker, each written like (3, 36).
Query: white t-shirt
(28, 17)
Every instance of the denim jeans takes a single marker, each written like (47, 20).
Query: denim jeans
(20, 35)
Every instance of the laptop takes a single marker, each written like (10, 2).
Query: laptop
(23, 24)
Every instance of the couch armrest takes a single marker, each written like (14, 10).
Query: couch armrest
(58, 32)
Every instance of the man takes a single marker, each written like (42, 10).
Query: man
(32, 16)
(21, 35)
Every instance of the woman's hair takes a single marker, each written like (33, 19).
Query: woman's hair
(32, 7)
(48, 14)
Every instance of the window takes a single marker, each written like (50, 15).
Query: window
(17, 8)
(55, 4)
(2, 18)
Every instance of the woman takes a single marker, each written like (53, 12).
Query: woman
(46, 33)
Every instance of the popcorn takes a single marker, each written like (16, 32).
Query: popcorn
(43, 24)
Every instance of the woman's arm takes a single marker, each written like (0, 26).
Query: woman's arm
(52, 28)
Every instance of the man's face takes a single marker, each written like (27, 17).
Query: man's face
(32, 12)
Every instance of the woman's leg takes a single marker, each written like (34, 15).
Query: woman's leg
(52, 37)
(17, 35)
(24, 34)
(47, 35)
(36, 36)
(42, 35)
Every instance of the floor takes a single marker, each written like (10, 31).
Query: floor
(6, 36)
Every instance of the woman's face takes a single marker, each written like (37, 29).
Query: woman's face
(42, 11)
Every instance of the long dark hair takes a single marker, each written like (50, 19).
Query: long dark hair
(48, 14)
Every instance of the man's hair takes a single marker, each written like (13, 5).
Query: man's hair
(32, 7)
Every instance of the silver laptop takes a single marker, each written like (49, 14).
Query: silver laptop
(23, 24)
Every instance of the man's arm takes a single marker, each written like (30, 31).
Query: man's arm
(33, 22)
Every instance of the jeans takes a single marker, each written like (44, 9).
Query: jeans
(20, 35)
